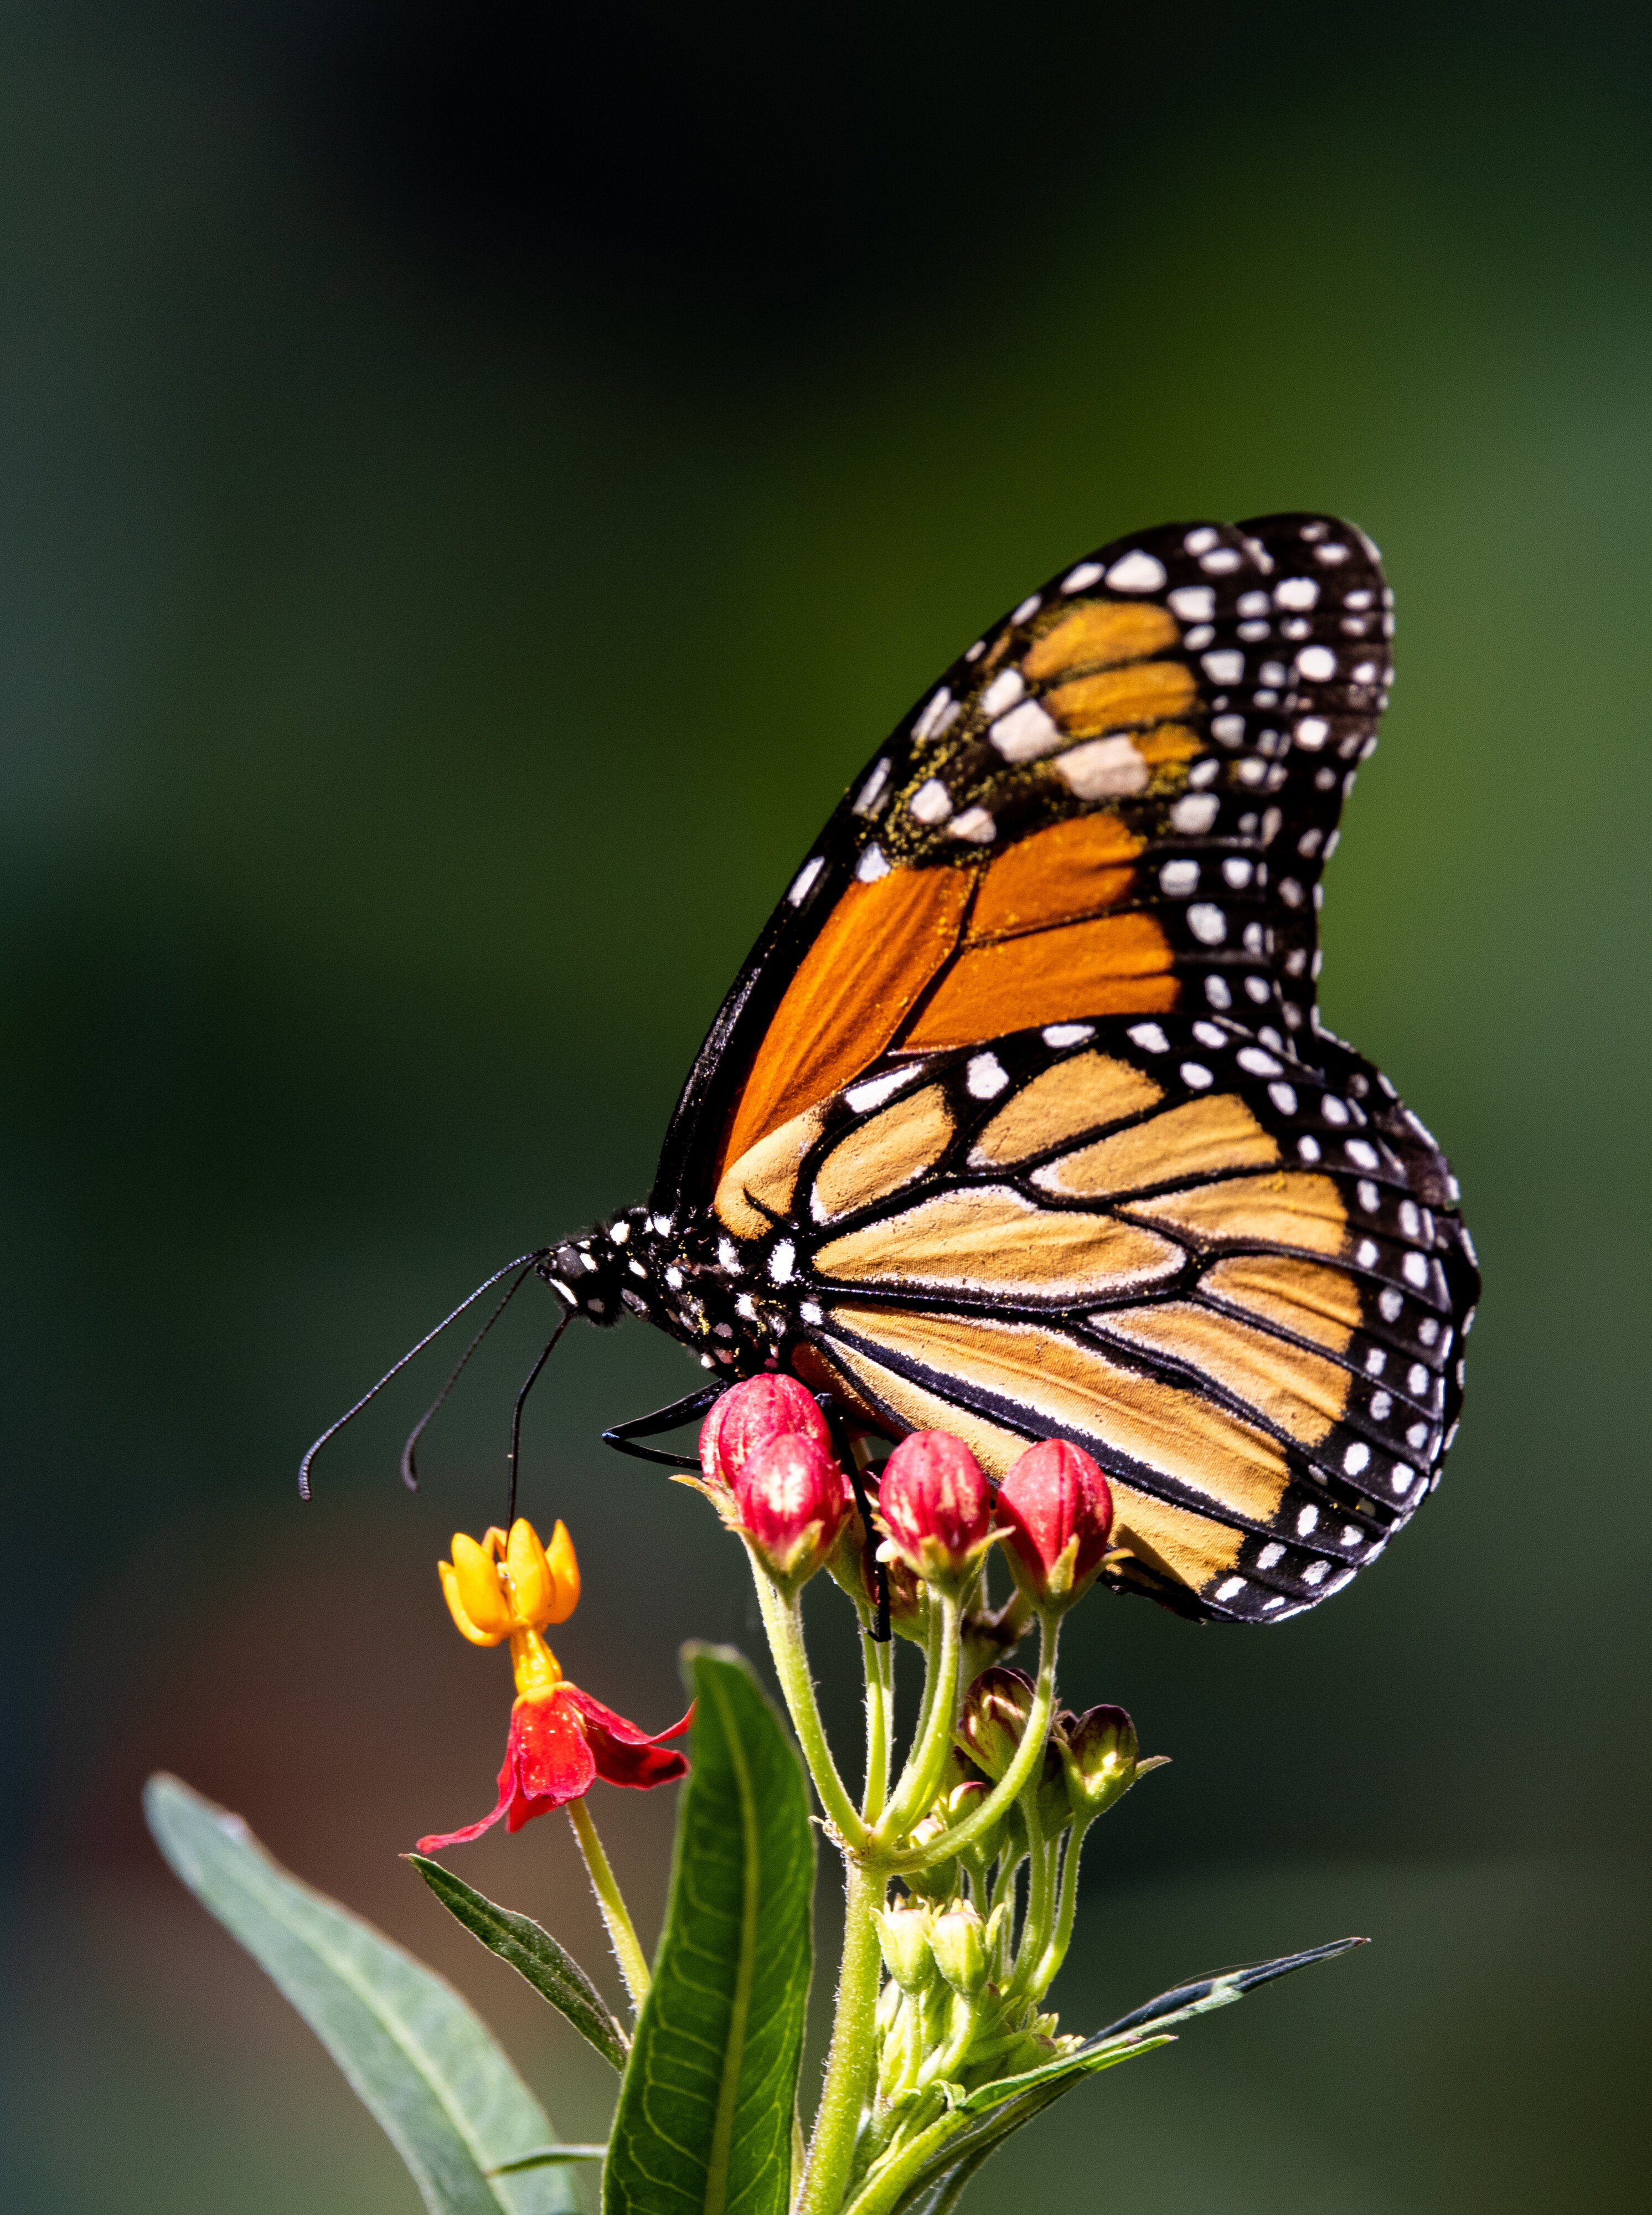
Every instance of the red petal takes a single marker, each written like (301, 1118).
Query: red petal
(554, 1763)
(624, 1754)
(547, 1763)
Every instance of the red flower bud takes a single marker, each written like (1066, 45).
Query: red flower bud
(767, 1407)
(1060, 1512)
(935, 1505)
(792, 1501)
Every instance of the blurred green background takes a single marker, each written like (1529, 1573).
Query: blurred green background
(480, 481)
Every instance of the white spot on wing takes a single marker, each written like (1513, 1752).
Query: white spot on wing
(872, 866)
(1059, 1034)
(1087, 572)
(876, 1090)
(1207, 923)
(872, 791)
(804, 879)
(986, 1076)
(1136, 573)
(1195, 812)
(931, 715)
(1103, 768)
(1026, 733)
(1149, 1038)
(931, 802)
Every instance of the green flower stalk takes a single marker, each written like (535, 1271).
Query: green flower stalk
(940, 1986)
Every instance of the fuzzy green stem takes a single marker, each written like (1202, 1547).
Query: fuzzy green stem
(926, 1761)
(883, 2189)
(1041, 1902)
(1030, 1752)
(1055, 1952)
(621, 1932)
(782, 1614)
(853, 2054)
(948, 2058)
(877, 1659)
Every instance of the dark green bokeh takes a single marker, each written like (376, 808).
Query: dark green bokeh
(477, 492)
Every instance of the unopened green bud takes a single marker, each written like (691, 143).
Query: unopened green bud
(1046, 1798)
(995, 1711)
(1101, 1756)
(955, 1806)
(904, 1934)
(958, 1942)
(939, 1879)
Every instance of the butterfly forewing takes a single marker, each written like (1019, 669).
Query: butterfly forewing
(1118, 800)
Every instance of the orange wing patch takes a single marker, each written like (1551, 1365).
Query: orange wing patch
(1118, 965)
(1079, 1094)
(1317, 1304)
(1113, 699)
(1304, 1393)
(1099, 632)
(1079, 867)
(1199, 1139)
(1062, 1390)
(996, 1244)
(879, 948)
(1290, 1209)
(765, 1177)
(885, 1152)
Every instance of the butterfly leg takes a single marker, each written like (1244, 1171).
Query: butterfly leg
(622, 1436)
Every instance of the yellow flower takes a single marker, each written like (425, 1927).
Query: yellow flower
(510, 1586)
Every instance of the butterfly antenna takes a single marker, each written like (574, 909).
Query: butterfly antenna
(516, 1415)
(410, 1450)
(350, 1414)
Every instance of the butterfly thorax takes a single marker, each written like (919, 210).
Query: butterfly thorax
(692, 1282)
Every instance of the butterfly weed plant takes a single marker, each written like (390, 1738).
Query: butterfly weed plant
(960, 1852)
(1021, 1107)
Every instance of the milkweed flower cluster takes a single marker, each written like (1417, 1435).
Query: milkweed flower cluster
(962, 1859)
(962, 1865)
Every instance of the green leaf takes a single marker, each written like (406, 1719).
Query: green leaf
(548, 2157)
(704, 2125)
(999, 2108)
(534, 1953)
(936, 2187)
(1221, 1991)
(417, 2055)
(1122, 2040)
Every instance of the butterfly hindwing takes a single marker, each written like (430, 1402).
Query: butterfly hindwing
(1239, 1285)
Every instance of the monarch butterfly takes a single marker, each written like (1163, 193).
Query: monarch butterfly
(1019, 1120)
